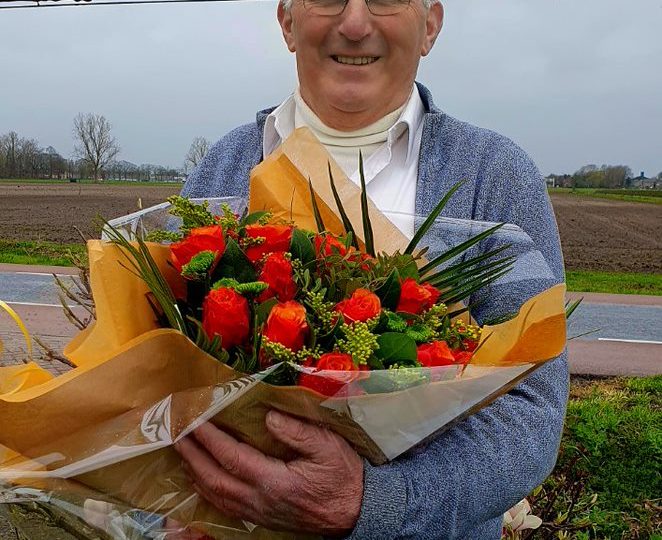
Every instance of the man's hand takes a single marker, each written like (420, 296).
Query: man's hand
(318, 492)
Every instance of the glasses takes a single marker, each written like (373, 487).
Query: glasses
(330, 8)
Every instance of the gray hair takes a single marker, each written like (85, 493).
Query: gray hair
(287, 4)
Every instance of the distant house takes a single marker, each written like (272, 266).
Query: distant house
(642, 182)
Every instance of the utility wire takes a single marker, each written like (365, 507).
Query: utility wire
(54, 3)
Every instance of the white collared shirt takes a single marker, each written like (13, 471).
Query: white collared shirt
(391, 170)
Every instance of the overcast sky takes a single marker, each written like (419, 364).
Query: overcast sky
(571, 81)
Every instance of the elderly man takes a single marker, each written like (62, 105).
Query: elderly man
(356, 63)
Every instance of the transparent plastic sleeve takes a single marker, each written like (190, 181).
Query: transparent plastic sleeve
(96, 443)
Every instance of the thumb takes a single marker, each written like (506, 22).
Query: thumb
(307, 439)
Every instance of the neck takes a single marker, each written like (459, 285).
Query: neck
(350, 120)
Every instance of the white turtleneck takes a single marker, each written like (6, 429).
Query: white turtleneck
(390, 149)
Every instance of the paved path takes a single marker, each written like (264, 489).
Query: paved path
(619, 334)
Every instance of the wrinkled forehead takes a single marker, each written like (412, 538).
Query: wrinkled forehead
(287, 4)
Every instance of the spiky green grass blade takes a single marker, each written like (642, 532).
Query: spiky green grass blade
(146, 268)
(343, 215)
(423, 229)
(459, 249)
(316, 211)
(368, 236)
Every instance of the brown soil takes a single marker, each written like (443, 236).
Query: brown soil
(596, 234)
(52, 212)
(601, 234)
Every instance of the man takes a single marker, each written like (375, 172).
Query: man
(356, 62)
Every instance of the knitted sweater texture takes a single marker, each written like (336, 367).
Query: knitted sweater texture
(459, 484)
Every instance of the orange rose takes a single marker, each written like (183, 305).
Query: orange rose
(199, 239)
(225, 312)
(416, 298)
(435, 354)
(277, 273)
(328, 244)
(330, 384)
(362, 305)
(276, 238)
(287, 325)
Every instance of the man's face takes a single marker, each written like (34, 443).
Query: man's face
(356, 67)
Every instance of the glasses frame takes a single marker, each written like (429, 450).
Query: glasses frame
(306, 5)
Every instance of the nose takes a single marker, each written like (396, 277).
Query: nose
(356, 20)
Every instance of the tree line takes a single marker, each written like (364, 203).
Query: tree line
(95, 156)
(604, 176)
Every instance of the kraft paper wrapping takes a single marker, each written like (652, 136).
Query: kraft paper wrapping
(110, 423)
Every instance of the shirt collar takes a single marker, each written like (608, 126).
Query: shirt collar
(279, 124)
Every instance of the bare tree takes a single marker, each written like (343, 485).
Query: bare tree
(198, 150)
(94, 144)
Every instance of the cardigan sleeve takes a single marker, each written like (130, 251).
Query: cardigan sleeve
(462, 482)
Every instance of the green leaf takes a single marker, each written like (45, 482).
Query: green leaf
(262, 310)
(316, 210)
(461, 248)
(368, 236)
(396, 348)
(420, 233)
(343, 215)
(389, 291)
(234, 264)
(301, 247)
(252, 218)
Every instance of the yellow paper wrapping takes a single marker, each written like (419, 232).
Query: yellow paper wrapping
(109, 423)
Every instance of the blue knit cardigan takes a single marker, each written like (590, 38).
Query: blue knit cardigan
(460, 483)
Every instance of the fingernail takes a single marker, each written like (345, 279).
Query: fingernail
(275, 419)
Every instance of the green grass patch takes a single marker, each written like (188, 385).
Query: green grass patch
(41, 253)
(614, 282)
(625, 195)
(607, 482)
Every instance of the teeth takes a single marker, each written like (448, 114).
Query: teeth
(355, 60)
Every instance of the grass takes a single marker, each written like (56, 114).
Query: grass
(614, 282)
(41, 253)
(607, 482)
(634, 195)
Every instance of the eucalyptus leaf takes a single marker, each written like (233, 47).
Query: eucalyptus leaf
(396, 348)
(301, 247)
(389, 291)
(234, 264)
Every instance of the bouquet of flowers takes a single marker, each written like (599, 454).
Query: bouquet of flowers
(216, 314)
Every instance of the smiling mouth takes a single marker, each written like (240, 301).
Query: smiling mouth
(355, 60)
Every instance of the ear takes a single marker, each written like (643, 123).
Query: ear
(433, 24)
(285, 20)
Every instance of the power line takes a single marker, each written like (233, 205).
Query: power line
(54, 3)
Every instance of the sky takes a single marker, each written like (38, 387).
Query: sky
(571, 81)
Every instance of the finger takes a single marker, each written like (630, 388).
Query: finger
(205, 471)
(307, 439)
(241, 510)
(238, 459)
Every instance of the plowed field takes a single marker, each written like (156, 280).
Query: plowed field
(596, 234)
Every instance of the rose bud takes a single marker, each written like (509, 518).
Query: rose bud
(462, 357)
(199, 239)
(277, 273)
(327, 245)
(435, 354)
(276, 238)
(287, 325)
(362, 305)
(330, 384)
(416, 298)
(225, 312)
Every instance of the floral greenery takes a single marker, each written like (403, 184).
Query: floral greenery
(607, 482)
(226, 257)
